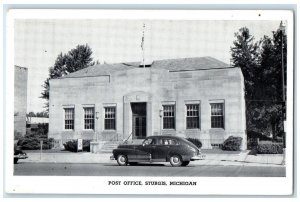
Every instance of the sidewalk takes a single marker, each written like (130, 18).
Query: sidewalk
(212, 158)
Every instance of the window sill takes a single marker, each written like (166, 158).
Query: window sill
(108, 131)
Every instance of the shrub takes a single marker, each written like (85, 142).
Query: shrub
(195, 141)
(72, 145)
(269, 148)
(232, 143)
(31, 140)
(86, 145)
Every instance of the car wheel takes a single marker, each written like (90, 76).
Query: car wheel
(16, 160)
(122, 160)
(185, 163)
(175, 160)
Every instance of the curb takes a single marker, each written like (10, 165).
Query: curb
(104, 158)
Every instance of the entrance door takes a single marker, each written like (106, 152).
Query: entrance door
(139, 123)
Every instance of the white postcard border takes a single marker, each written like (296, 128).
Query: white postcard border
(99, 185)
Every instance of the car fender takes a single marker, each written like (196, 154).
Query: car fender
(125, 151)
(132, 154)
(184, 156)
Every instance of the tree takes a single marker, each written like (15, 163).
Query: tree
(38, 114)
(76, 59)
(31, 114)
(261, 65)
(272, 62)
(245, 55)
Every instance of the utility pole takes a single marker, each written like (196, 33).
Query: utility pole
(282, 29)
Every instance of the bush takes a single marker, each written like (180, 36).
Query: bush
(269, 148)
(254, 137)
(195, 141)
(72, 145)
(232, 143)
(31, 140)
(252, 143)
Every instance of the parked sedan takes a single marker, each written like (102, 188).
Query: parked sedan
(176, 150)
(18, 153)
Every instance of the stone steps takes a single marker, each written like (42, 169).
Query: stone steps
(109, 146)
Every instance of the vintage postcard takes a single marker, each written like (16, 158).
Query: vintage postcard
(137, 102)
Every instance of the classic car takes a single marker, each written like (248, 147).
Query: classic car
(18, 153)
(176, 150)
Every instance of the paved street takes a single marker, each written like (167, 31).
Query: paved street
(112, 169)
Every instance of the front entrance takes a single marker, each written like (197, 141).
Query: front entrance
(139, 120)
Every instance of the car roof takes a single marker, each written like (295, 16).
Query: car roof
(165, 136)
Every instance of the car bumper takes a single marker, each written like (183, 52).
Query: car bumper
(112, 158)
(198, 157)
(20, 156)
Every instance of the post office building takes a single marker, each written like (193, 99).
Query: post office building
(199, 98)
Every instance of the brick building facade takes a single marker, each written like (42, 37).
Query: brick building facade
(193, 97)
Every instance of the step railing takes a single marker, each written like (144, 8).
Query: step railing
(126, 140)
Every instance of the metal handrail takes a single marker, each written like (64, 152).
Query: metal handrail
(125, 141)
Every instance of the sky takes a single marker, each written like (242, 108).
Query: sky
(37, 42)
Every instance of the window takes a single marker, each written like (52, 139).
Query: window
(110, 118)
(169, 116)
(149, 141)
(169, 142)
(192, 116)
(217, 115)
(69, 118)
(89, 121)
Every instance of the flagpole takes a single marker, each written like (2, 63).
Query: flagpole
(142, 45)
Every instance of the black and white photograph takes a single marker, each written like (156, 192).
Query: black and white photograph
(151, 100)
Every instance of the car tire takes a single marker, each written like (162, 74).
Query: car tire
(122, 160)
(185, 163)
(16, 160)
(175, 160)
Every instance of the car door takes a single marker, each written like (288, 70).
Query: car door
(159, 150)
(173, 147)
(143, 152)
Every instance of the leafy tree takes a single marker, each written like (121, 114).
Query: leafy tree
(245, 55)
(42, 114)
(76, 59)
(38, 114)
(31, 114)
(261, 65)
(273, 50)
